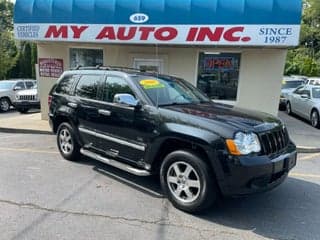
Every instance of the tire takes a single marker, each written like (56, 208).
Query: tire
(289, 111)
(67, 143)
(23, 110)
(175, 181)
(5, 104)
(315, 119)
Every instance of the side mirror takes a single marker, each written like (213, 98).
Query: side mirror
(305, 96)
(17, 88)
(126, 99)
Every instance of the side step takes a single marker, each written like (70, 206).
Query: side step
(122, 166)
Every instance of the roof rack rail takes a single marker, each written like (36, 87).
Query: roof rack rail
(113, 68)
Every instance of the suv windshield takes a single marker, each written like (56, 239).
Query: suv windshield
(164, 91)
(292, 84)
(6, 85)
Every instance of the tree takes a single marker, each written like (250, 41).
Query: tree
(305, 59)
(6, 15)
(8, 50)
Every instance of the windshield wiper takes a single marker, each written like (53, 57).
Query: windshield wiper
(173, 104)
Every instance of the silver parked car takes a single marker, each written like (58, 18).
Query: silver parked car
(289, 84)
(27, 99)
(305, 102)
(8, 89)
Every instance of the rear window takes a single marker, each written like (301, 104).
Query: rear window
(292, 84)
(65, 85)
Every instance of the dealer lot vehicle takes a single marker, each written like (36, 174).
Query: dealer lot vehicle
(27, 99)
(8, 89)
(146, 123)
(289, 84)
(313, 81)
(305, 102)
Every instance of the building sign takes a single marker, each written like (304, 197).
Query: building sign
(219, 63)
(50, 67)
(241, 35)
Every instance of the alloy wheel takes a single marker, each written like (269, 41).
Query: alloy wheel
(288, 108)
(183, 182)
(4, 105)
(315, 119)
(65, 141)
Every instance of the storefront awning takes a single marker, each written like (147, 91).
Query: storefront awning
(196, 22)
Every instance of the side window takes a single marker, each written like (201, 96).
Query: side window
(21, 85)
(306, 92)
(299, 90)
(88, 86)
(64, 86)
(113, 86)
(29, 84)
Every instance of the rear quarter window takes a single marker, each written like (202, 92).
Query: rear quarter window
(65, 85)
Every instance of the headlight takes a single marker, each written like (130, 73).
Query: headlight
(17, 97)
(243, 144)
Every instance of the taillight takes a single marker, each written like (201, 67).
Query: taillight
(49, 100)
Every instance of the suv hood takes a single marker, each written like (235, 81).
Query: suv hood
(27, 92)
(287, 90)
(238, 118)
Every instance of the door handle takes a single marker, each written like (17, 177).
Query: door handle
(72, 105)
(104, 112)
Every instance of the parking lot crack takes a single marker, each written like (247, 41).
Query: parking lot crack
(131, 221)
(61, 211)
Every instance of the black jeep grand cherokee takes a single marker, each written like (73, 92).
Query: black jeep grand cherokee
(146, 123)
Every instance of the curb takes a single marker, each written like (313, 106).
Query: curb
(303, 149)
(25, 131)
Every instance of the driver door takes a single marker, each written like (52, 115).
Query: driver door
(124, 132)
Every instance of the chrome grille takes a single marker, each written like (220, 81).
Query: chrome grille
(27, 97)
(274, 141)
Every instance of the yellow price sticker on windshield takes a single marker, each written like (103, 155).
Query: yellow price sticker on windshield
(151, 83)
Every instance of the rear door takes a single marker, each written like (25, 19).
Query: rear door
(305, 104)
(86, 105)
(295, 98)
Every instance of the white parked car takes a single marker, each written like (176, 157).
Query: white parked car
(8, 89)
(305, 102)
(313, 81)
(289, 84)
(27, 99)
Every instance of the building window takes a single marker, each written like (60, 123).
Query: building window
(85, 57)
(218, 75)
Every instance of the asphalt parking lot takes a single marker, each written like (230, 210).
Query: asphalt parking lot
(43, 196)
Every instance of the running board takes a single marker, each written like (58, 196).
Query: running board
(122, 166)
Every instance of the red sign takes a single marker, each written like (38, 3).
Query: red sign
(50, 67)
(222, 63)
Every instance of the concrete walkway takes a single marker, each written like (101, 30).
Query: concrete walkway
(301, 132)
(28, 123)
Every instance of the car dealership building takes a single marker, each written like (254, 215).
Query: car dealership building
(234, 50)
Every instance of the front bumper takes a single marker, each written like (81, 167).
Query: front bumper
(251, 174)
(27, 104)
